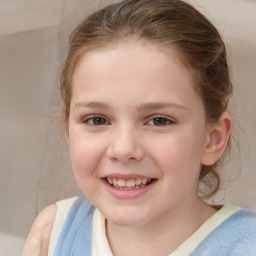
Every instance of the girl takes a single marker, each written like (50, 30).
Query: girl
(145, 88)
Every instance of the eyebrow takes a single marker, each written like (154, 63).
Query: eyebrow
(156, 106)
(143, 107)
(94, 104)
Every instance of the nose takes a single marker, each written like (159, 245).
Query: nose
(125, 145)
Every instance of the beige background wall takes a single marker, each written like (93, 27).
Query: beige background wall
(34, 164)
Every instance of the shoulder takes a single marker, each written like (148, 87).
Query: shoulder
(239, 233)
(248, 213)
(40, 232)
(244, 233)
(243, 222)
(245, 217)
(235, 236)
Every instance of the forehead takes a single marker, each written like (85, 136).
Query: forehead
(144, 70)
(142, 55)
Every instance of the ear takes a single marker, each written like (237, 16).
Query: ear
(217, 139)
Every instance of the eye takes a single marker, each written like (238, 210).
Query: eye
(96, 120)
(160, 121)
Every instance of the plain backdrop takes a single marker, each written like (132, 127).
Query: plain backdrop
(35, 168)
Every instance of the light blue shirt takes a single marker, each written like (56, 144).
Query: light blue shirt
(235, 236)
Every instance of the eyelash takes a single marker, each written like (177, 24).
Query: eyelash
(93, 118)
(164, 120)
(167, 121)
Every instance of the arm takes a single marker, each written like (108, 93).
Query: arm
(39, 236)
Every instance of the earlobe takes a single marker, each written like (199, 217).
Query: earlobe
(217, 139)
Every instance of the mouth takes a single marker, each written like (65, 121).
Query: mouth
(131, 184)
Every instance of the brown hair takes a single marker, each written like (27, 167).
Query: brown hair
(174, 25)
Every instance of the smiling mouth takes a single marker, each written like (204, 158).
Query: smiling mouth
(128, 184)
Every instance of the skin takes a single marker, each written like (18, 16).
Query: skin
(134, 112)
(37, 242)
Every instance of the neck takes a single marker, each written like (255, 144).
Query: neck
(160, 236)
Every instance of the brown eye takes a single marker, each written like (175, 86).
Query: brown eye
(96, 120)
(99, 121)
(160, 121)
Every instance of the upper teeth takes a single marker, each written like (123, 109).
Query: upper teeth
(128, 183)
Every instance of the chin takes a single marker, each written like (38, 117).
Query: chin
(126, 222)
(126, 218)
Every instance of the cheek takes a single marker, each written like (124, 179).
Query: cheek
(85, 153)
(180, 166)
(179, 155)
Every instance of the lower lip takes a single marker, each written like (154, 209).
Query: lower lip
(128, 194)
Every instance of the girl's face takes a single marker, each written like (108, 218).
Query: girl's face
(137, 133)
